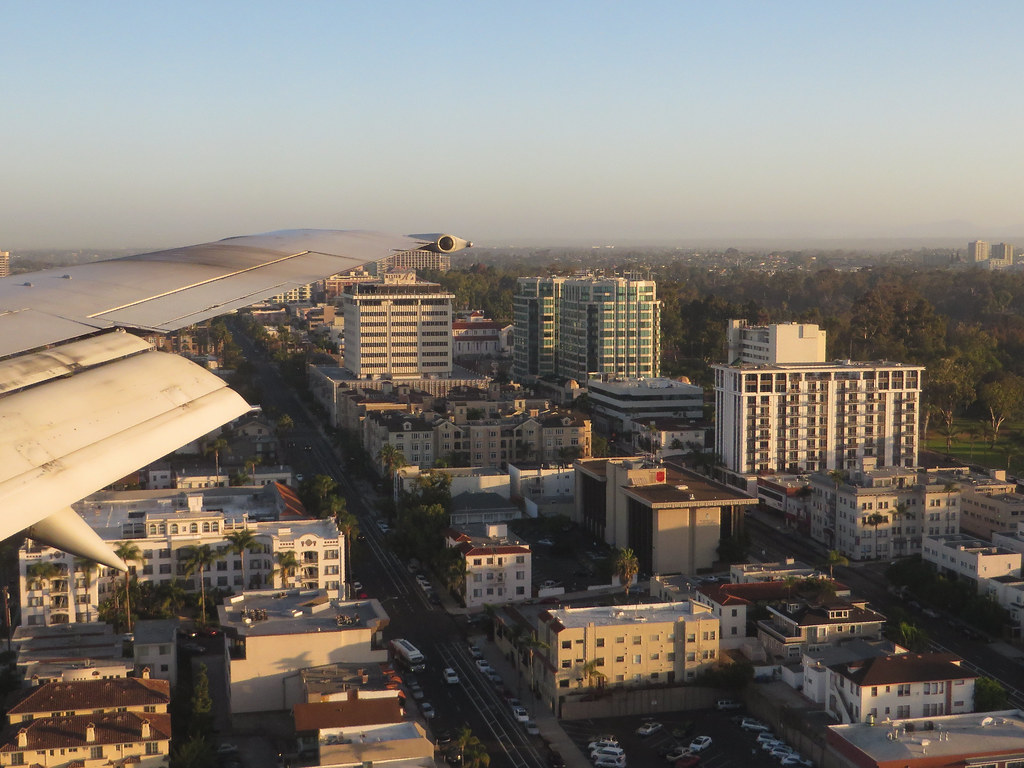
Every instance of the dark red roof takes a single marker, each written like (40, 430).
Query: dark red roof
(904, 668)
(93, 694)
(64, 732)
(351, 713)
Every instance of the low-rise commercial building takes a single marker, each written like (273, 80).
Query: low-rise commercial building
(951, 741)
(272, 635)
(671, 518)
(623, 406)
(969, 558)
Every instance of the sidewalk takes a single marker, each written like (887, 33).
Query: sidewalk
(548, 725)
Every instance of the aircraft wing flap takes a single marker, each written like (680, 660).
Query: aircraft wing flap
(68, 437)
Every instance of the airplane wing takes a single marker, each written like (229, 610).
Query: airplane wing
(83, 403)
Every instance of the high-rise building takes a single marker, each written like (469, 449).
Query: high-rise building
(586, 327)
(407, 260)
(777, 343)
(977, 250)
(1003, 252)
(5, 263)
(397, 327)
(816, 417)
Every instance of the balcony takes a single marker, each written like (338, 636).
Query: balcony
(780, 634)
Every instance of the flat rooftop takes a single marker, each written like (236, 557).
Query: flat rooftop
(950, 737)
(297, 612)
(613, 616)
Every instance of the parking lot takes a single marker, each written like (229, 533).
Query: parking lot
(730, 745)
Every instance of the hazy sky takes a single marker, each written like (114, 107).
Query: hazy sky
(143, 124)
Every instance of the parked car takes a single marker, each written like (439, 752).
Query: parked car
(782, 751)
(416, 691)
(607, 752)
(531, 728)
(227, 749)
(750, 724)
(771, 744)
(482, 665)
(603, 741)
(475, 652)
(688, 761)
(607, 761)
(648, 728)
(520, 714)
(427, 709)
(677, 753)
(555, 760)
(700, 743)
(723, 705)
(765, 736)
(450, 676)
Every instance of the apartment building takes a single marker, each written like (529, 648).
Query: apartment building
(638, 645)
(412, 435)
(630, 405)
(57, 588)
(498, 566)
(966, 557)
(898, 687)
(816, 417)
(878, 513)
(978, 251)
(585, 327)
(673, 519)
(397, 327)
(799, 626)
(776, 343)
(405, 261)
(119, 721)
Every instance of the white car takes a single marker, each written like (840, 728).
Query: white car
(531, 728)
(700, 743)
(520, 714)
(605, 741)
(475, 652)
(769, 744)
(750, 724)
(607, 752)
(482, 665)
(782, 752)
(608, 761)
(765, 736)
(723, 705)
(450, 676)
(648, 728)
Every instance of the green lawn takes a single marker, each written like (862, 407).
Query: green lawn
(971, 446)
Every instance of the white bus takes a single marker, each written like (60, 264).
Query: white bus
(406, 654)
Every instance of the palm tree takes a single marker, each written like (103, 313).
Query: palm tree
(287, 563)
(241, 541)
(348, 527)
(949, 432)
(41, 572)
(590, 670)
(129, 553)
(197, 559)
(215, 447)
(172, 597)
(835, 557)
(949, 489)
(391, 459)
(875, 519)
(626, 568)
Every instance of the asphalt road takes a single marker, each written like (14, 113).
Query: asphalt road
(476, 701)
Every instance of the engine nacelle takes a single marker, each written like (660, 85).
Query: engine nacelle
(442, 243)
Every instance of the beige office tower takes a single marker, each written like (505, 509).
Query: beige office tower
(978, 250)
(5, 263)
(397, 327)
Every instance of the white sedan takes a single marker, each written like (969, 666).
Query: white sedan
(700, 743)
(648, 728)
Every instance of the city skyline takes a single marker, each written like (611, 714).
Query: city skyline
(141, 127)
